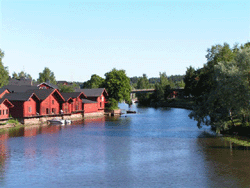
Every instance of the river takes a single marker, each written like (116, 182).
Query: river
(153, 148)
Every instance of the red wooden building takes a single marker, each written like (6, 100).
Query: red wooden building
(98, 96)
(25, 104)
(51, 101)
(73, 102)
(5, 106)
(89, 106)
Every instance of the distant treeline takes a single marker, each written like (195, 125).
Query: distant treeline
(176, 80)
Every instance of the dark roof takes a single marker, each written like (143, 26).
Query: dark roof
(20, 82)
(49, 84)
(72, 95)
(19, 96)
(2, 90)
(92, 92)
(24, 88)
(86, 101)
(44, 93)
(41, 93)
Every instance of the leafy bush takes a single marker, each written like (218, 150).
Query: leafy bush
(112, 104)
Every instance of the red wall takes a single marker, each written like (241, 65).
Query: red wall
(77, 102)
(3, 109)
(100, 102)
(31, 103)
(90, 107)
(2, 94)
(67, 107)
(47, 103)
(71, 106)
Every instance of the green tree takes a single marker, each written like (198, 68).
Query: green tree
(161, 87)
(229, 95)
(4, 73)
(47, 75)
(190, 80)
(94, 82)
(66, 88)
(143, 83)
(21, 74)
(117, 85)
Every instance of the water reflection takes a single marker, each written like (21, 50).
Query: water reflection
(153, 148)
(3, 154)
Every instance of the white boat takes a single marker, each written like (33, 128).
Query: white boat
(57, 121)
(67, 121)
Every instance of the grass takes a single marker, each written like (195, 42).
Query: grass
(13, 121)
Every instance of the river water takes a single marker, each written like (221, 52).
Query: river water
(153, 148)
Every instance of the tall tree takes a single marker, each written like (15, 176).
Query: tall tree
(190, 81)
(143, 83)
(117, 85)
(47, 75)
(161, 87)
(21, 74)
(228, 93)
(4, 73)
(94, 82)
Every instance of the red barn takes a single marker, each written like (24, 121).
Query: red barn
(51, 101)
(25, 104)
(89, 106)
(73, 102)
(5, 105)
(97, 95)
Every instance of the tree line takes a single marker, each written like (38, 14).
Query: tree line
(220, 88)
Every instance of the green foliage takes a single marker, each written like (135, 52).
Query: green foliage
(66, 88)
(21, 74)
(163, 86)
(13, 121)
(222, 88)
(142, 82)
(47, 75)
(94, 82)
(4, 74)
(117, 85)
(112, 104)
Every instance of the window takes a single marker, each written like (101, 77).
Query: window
(47, 111)
(3, 112)
(53, 101)
(30, 109)
(76, 107)
(54, 110)
(7, 111)
(0, 112)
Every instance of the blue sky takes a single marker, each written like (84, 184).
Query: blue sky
(76, 39)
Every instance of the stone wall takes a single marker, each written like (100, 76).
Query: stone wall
(32, 121)
(94, 114)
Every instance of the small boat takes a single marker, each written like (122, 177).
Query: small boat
(57, 121)
(131, 112)
(67, 121)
